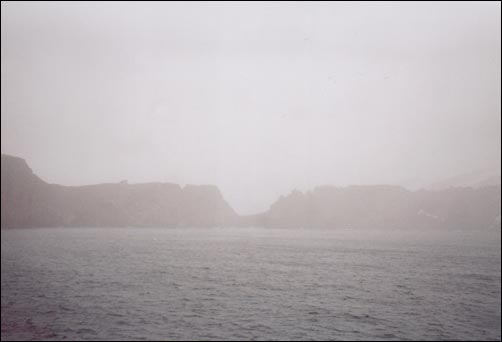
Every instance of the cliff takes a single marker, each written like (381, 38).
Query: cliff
(387, 207)
(28, 201)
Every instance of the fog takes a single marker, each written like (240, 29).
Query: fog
(256, 98)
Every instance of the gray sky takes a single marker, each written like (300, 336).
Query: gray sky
(257, 98)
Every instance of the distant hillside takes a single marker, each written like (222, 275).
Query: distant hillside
(475, 180)
(28, 201)
(387, 207)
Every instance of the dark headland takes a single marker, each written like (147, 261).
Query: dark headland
(28, 201)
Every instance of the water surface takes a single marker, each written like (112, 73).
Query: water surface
(139, 284)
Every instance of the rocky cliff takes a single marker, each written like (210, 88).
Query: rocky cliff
(387, 207)
(28, 201)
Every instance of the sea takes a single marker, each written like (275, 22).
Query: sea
(249, 284)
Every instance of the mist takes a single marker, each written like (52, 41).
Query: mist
(256, 98)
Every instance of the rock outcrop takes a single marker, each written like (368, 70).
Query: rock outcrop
(28, 201)
(387, 207)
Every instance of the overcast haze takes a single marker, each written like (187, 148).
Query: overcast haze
(257, 98)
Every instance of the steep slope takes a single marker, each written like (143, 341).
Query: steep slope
(28, 201)
(387, 207)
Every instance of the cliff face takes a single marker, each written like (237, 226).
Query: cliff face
(28, 201)
(387, 207)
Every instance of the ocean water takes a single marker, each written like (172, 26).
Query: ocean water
(261, 284)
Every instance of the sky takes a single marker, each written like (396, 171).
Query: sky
(256, 98)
